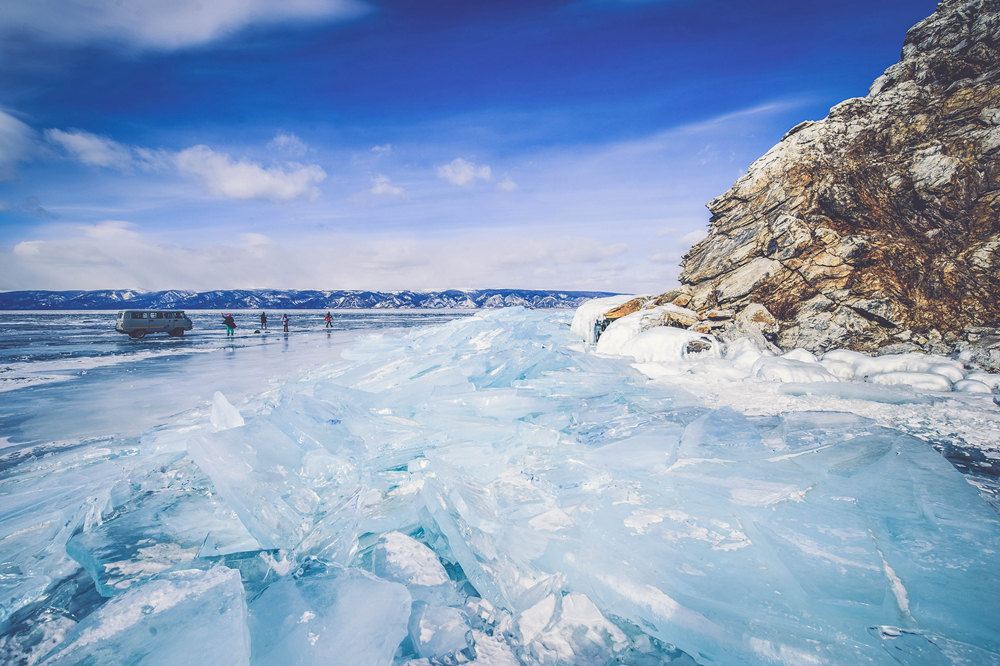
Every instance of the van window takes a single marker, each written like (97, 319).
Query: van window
(138, 315)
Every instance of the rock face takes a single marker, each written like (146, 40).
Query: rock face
(881, 223)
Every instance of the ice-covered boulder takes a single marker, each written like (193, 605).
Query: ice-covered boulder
(744, 352)
(927, 381)
(848, 364)
(665, 342)
(785, 369)
(800, 354)
(662, 344)
(971, 386)
(992, 380)
(588, 313)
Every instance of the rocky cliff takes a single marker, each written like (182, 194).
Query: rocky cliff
(879, 225)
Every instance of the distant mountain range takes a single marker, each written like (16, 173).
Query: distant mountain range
(274, 299)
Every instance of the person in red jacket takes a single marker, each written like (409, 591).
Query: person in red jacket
(328, 318)
(230, 323)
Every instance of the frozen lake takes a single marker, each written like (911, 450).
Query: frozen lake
(486, 490)
(70, 375)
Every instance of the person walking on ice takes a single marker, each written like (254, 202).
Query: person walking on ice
(328, 319)
(230, 323)
(284, 322)
(263, 320)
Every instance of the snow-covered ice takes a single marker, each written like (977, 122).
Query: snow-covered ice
(489, 491)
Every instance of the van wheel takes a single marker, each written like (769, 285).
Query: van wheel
(177, 333)
(137, 334)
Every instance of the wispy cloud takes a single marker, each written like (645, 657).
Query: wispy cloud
(288, 144)
(216, 172)
(162, 25)
(382, 186)
(91, 149)
(15, 143)
(463, 173)
(507, 184)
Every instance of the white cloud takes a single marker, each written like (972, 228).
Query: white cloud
(461, 172)
(382, 186)
(117, 254)
(162, 25)
(382, 149)
(223, 176)
(15, 143)
(507, 185)
(288, 144)
(217, 172)
(91, 149)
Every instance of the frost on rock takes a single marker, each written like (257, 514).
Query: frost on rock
(587, 315)
(482, 491)
(788, 369)
(662, 344)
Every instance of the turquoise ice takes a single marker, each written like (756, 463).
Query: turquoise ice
(490, 489)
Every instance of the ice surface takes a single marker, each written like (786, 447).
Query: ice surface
(439, 631)
(562, 629)
(181, 618)
(345, 617)
(485, 490)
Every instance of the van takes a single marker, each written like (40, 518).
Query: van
(137, 323)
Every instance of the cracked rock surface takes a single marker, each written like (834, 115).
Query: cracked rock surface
(880, 224)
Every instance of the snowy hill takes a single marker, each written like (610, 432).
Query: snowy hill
(106, 299)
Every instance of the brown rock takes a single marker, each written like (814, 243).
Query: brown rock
(626, 308)
(681, 300)
(883, 217)
(705, 326)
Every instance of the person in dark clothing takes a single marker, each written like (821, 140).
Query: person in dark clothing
(263, 321)
(230, 323)
(284, 322)
(328, 319)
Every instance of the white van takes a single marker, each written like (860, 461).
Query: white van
(137, 323)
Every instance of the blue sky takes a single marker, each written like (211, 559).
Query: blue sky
(392, 145)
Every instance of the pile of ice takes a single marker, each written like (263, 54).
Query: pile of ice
(482, 492)
(665, 350)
